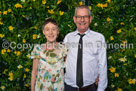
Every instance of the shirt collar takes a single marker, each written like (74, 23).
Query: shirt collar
(86, 33)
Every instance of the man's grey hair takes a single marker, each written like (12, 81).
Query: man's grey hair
(82, 7)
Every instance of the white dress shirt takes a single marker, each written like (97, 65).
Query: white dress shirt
(94, 59)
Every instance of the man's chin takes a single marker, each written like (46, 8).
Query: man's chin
(82, 30)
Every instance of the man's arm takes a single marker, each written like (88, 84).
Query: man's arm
(102, 84)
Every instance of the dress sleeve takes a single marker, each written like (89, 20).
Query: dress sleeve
(35, 52)
(65, 50)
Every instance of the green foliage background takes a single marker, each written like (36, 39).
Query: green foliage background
(27, 21)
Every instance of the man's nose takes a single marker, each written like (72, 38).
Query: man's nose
(82, 19)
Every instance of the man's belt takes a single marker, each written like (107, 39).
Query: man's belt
(84, 88)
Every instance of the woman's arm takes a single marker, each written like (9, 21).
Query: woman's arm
(34, 73)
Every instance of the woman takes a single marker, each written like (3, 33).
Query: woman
(48, 61)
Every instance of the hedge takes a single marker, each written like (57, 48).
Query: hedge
(20, 29)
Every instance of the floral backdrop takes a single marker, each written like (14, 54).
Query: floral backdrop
(20, 29)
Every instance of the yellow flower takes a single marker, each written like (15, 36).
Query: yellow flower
(111, 38)
(123, 50)
(18, 53)
(0, 12)
(3, 51)
(135, 55)
(28, 55)
(24, 41)
(2, 87)
(59, 1)
(9, 10)
(119, 31)
(10, 78)
(18, 5)
(10, 28)
(105, 5)
(124, 64)
(1, 22)
(30, 7)
(19, 66)
(35, 27)
(112, 69)
(108, 19)
(69, 26)
(61, 12)
(26, 85)
(123, 59)
(131, 81)
(51, 11)
(100, 5)
(10, 74)
(15, 52)
(108, 1)
(47, 6)
(116, 75)
(122, 23)
(5, 12)
(5, 71)
(34, 36)
(23, 16)
(27, 70)
(1, 35)
(80, 3)
(135, 28)
(8, 50)
(123, 45)
(24, 75)
(119, 89)
(90, 7)
(125, 41)
(43, 2)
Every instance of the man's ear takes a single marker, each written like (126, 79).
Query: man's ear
(90, 19)
(74, 18)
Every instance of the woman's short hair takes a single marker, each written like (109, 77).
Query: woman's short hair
(53, 21)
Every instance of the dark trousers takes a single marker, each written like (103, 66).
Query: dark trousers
(69, 88)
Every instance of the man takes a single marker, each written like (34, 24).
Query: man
(87, 60)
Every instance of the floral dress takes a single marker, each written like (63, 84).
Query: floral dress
(51, 65)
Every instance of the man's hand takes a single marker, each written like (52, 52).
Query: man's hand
(97, 80)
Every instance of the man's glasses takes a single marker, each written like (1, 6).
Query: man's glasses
(84, 17)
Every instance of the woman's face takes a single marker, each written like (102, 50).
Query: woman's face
(50, 31)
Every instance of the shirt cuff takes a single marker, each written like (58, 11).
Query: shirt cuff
(100, 89)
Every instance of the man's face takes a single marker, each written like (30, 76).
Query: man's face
(82, 20)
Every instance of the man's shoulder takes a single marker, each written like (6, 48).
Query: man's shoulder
(96, 34)
(70, 34)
